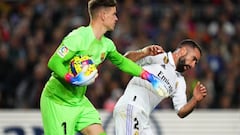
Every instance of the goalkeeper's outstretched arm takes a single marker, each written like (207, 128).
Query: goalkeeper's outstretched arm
(132, 68)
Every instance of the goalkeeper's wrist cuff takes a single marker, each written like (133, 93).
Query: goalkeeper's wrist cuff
(68, 77)
(145, 75)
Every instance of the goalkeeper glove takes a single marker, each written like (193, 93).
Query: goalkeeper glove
(156, 83)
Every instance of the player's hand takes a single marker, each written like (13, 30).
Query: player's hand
(156, 83)
(81, 79)
(199, 91)
(152, 50)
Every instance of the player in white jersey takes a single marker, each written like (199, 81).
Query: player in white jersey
(132, 111)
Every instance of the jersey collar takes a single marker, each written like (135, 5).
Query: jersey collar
(93, 37)
(171, 60)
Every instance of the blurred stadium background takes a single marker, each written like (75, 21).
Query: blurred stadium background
(30, 30)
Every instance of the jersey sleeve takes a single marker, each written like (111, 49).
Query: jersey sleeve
(124, 63)
(59, 61)
(71, 44)
(179, 97)
(151, 59)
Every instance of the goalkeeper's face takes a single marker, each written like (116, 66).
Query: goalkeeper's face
(110, 18)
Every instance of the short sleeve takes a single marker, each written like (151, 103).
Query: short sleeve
(179, 97)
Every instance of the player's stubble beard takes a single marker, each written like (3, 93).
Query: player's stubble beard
(181, 64)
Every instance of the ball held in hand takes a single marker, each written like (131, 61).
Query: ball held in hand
(82, 64)
(84, 69)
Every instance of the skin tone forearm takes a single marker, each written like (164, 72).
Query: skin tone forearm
(147, 51)
(199, 93)
(135, 55)
(188, 108)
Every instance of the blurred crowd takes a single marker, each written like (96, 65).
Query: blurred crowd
(31, 30)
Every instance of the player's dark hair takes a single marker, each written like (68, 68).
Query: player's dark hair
(94, 5)
(191, 43)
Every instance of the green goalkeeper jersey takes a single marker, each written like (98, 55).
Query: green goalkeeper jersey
(82, 42)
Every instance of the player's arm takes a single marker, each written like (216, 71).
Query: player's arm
(151, 50)
(57, 62)
(124, 63)
(132, 68)
(199, 93)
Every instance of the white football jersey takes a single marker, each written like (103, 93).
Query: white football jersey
(141, 93)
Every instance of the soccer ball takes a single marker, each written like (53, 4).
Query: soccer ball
(82, 64)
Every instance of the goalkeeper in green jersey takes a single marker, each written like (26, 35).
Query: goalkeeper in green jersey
(64, 107)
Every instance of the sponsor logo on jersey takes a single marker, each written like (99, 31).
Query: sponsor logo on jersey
(166, 82)
(62, 51)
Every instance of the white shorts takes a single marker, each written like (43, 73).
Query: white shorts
(130, 120)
